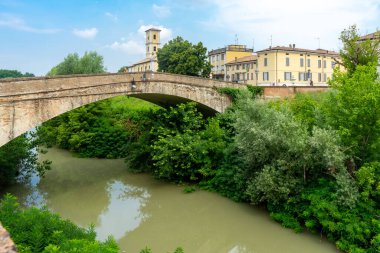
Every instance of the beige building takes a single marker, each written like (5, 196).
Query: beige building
(152, 43)
(219, 57)
(295, 66)
(373, 37)
(243, 70)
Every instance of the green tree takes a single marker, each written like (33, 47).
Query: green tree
(179, 56)
(354, 111)
(356, 52)
(122, 69)
(89, 63)
(6, 73)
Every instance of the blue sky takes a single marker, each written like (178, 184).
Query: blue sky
(35, 35)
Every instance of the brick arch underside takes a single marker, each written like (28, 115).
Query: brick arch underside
(167, 101)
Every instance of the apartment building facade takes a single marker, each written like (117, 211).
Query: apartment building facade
(219, 57)
(290, 66)
(243, 70)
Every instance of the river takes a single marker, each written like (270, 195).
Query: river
(140, 211)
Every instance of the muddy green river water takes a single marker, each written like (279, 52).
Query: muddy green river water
(140, 211)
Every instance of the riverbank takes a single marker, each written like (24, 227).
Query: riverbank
(140, 211)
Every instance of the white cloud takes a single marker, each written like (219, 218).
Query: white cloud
(86, 33)
(135, 43)
(10, 21)
(130, 47)
(113, 17)
(161, 11)
(292, 21)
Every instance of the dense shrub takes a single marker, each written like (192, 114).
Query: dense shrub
(38, 230)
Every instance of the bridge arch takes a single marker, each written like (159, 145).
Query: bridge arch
(28, 102)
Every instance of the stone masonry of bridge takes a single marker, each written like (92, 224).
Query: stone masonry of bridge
(27, 102)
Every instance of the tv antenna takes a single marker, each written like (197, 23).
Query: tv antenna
(319, 42)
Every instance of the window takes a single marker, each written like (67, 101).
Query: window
(233, 77)
(332, 64)
(308, 63)
(301, 62)
(237, 77)
(265, 76)
(228, 68)
(251, 65)
(147, 49)
(217, 58)
(287, 76)
(237, 67)
(251, 76)
(301, 76)
(222, 57)
(154, 36)
(319, 77)
(324, 63)
(266, 62)
(247, 76)
(324, 77)
(287, 61)
(233, 67)
(319, 64)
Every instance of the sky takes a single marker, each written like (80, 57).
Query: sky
(36, 35)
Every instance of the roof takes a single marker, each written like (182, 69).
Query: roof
(371, 36)
(237, 48)
(153, 29)
(144, 61)
(299, 50)
(243, 59)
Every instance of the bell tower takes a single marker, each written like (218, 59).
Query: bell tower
(152, 42)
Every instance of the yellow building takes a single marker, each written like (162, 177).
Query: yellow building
(242, 70)
(219, 57)
(295, 66)
(152, 44)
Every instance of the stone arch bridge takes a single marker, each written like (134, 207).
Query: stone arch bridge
(27, 102)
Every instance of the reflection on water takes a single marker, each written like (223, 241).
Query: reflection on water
(125, 202)
(140, 211)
